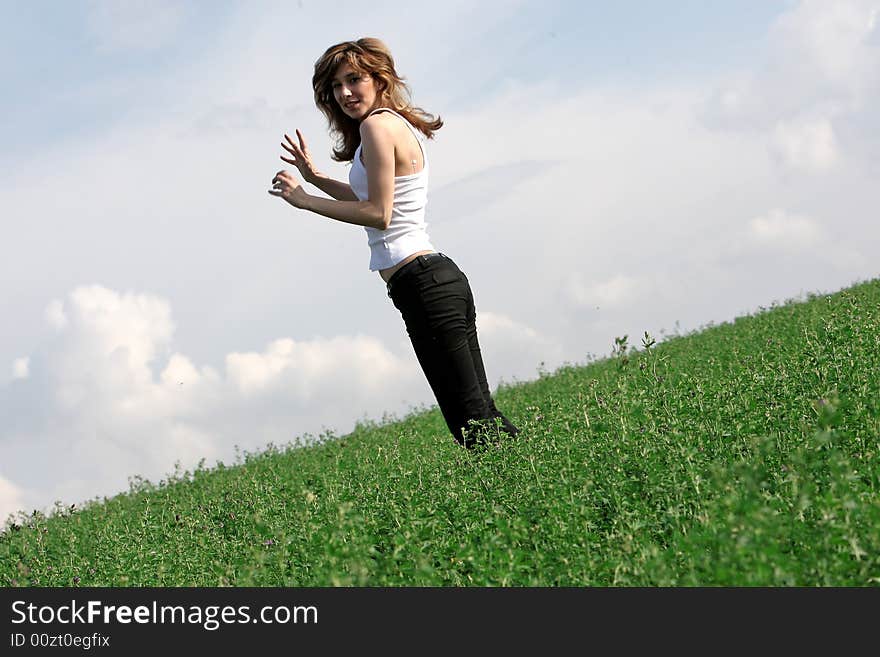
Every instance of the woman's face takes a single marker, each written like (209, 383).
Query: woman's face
(355, 92)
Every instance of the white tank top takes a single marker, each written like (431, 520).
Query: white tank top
(408, 232)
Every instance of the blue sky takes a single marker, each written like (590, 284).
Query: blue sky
(63, 77)
(604, 169)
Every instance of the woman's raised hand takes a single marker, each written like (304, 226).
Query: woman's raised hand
(302, 159)
(287, 187)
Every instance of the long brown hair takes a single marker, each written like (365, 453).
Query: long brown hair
(366, 56)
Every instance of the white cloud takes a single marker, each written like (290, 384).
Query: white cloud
(782, 230)
(614, 291)
(806, 144)
(105, 416)
(512, 347)
(55, 314)
(786, 247)
(737, 103)
(351, 366)
(130, 326)
(820, 73)
(496, 324)
(21, 368)
(827, 40)
(11, 500)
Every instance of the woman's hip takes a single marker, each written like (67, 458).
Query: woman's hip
(432, 295)
(423, 274)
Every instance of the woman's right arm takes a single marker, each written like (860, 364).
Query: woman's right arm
(302, 160)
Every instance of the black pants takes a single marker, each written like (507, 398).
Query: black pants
(435, 299)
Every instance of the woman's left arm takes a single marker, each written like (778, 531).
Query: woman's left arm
(375, 212)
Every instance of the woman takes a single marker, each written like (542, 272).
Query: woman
(368, 109)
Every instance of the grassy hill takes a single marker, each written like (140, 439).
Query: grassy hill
(746, 453)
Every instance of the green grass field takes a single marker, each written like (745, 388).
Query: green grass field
(745, 453)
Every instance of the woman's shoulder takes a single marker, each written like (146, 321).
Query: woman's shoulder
(383, 126)
(380, 118)
(377, 122)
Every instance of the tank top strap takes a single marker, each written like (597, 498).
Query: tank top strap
(412, 128)
(387, 109)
